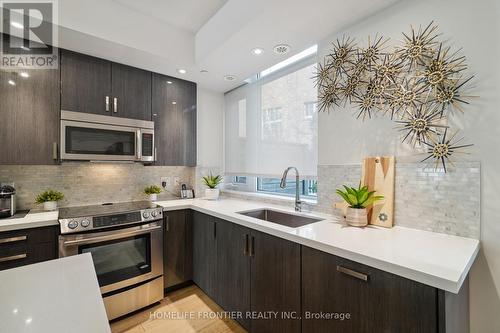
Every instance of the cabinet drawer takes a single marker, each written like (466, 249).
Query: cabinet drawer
(27, 246)
(376, 301)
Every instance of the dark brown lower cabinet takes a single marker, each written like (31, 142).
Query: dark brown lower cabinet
(177, 256)
(204, 253)
(27, 246)
(374, 300)
(233, 269)
(275, 284)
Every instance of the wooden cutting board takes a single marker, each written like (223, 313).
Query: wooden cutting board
(378, 175)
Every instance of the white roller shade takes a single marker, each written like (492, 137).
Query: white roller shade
(272, 124)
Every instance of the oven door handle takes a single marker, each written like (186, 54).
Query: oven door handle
(117, 235)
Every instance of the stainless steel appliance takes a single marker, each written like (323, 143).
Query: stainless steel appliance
(126, 243)
(7, 201)
(93, 137)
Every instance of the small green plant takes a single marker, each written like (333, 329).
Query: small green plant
(212, 181)
(359, 197)
(153, 189)
(49, 195)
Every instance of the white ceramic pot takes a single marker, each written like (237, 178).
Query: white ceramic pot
(50, 205)
(357, 217)
(153, 197)
(212, 193)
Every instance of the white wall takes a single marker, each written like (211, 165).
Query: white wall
(473, 25)
(210, 124)
(210, 127)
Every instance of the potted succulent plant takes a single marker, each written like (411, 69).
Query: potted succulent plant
(152, 191)
(211, 181)
(358, 199)
(49, 199)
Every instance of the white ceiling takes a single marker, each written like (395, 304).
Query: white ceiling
(214, 35)
(184, 14)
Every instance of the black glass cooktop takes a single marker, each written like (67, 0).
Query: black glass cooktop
(105, 209)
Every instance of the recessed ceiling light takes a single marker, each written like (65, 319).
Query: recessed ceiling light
(229, 77)
(203, 71)
(169, 82)
(12, 83)
(24, 74)
(281, 48)
(257, 51)
(17, 25)
(182, 71)
(174, 102)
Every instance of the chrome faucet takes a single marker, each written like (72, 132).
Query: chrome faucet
(298, 203)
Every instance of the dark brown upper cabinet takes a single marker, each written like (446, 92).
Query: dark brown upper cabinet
(99, 86)
(29, 116)
(131, 89)
(85, 83)
(174, 114)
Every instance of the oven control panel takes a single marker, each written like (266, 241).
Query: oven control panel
(86, 223)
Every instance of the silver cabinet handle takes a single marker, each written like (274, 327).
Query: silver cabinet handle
(156, 154)
(115, 105)
(138, 144)
(13, 239)
(54, 151)
(352, 273)
(167, 224)
(107, 103)
(16, 257)
(252, 247)
(245, 250)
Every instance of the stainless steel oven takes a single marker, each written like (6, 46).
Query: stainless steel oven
(127, 250)
(93, 137)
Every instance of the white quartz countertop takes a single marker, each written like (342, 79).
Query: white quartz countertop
(439, 260)
(55, 296)
(33, 219)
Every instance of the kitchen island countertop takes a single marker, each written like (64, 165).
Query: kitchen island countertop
(56, 296)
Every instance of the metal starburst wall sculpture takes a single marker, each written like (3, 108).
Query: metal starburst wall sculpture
(418, 84)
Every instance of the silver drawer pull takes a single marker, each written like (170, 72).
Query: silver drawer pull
(16, 257)
(352, 273)
(13, 239)
(107, 103)
(115, 105)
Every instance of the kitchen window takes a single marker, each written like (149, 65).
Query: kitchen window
(277, 113)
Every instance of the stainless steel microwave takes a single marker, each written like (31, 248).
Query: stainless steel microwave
(94, 137)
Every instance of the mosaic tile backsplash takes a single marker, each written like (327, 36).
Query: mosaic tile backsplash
(92, 183)
(424, 198)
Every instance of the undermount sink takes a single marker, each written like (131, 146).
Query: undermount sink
(274, 216)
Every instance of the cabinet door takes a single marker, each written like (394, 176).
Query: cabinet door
(383, 303)
(233, 269)
(174, 114)
(204, 253)
(85, 83)
(275, 283)
(29, 116)
(132, 89)
(187, 106)
(177, 241)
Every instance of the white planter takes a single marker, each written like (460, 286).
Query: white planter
(212, 193)
(357, 217)
(153, 197)
(50, 205)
